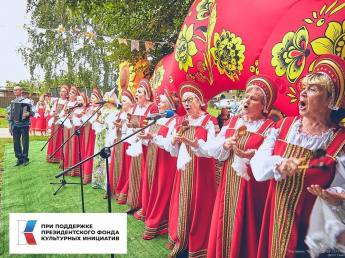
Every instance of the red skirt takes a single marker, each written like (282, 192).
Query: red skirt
(89, 151)
(237, 215)
(54, 144)
(157, 207)
(191, 207)
(41, 122)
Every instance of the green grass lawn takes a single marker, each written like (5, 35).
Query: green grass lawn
(212, 111)
(28, 190)
(3, 121)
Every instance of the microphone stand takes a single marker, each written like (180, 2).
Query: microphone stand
(63, 180)
(77, 132)
(105, 154)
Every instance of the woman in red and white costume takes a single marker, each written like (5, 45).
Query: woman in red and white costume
(143, 108)
(194, 190)
(159, 170)
(68, 126)
(41, 123)
(238, 210)
(292, 190)
(120, 161)
(78, 118)
(90, 135)
(55, 112)
(48, 100)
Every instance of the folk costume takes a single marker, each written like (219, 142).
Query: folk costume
(54, 122)
(90, 136)
(99, 173)
(240, 201)
(159, 176)
(41, 122)
(69, 129)
(120, 161)
(79, 116)
(194, 189)
(288, 206)
(138, 151)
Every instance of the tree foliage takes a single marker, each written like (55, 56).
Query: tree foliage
(72, 58)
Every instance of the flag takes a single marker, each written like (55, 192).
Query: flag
(76, 31)
(90, 35)
(122, 41)
(135, 45)
(107, 39)
(149, 45)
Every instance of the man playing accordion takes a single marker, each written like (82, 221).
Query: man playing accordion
(20, 111)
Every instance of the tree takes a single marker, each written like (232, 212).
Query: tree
(66, 55)
(60, 48)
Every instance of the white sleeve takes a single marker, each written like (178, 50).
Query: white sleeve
(202, 150)
(263, 164)
(161, 141)
(166, 144)
(215, 148)
(339, 178)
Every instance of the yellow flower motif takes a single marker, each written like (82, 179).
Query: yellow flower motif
(203, 9)
(228, 54)
(185, 48)
(157, 77)
(254, 68)
(289, 55)
(292, 95)
(334, 41)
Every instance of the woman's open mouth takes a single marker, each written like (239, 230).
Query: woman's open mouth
(245, 107)
(302, 105)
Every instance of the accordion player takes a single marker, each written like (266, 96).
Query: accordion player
(18, 109)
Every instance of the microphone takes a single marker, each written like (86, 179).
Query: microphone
(70, 108)
(167, 114)
(110, 100)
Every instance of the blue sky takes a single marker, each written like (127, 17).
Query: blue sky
(12, 13)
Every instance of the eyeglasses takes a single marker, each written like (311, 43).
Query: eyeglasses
(187, 101)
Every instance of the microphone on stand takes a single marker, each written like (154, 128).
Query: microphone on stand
(110, 100)
(70, 108)
(167, 114)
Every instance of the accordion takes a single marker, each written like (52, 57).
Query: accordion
(18, 109)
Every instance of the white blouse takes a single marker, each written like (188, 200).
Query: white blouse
(264, 164)
(216, 149)
(181, 152)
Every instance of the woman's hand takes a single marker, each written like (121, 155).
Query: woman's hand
(331, 198)
(289, 167)
(176, 139)
(118, 125)
(194, 143)
(230, 143)
(147, 136)
(244, 154)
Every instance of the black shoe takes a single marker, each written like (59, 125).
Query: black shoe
(19, 162)
(26, 162)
